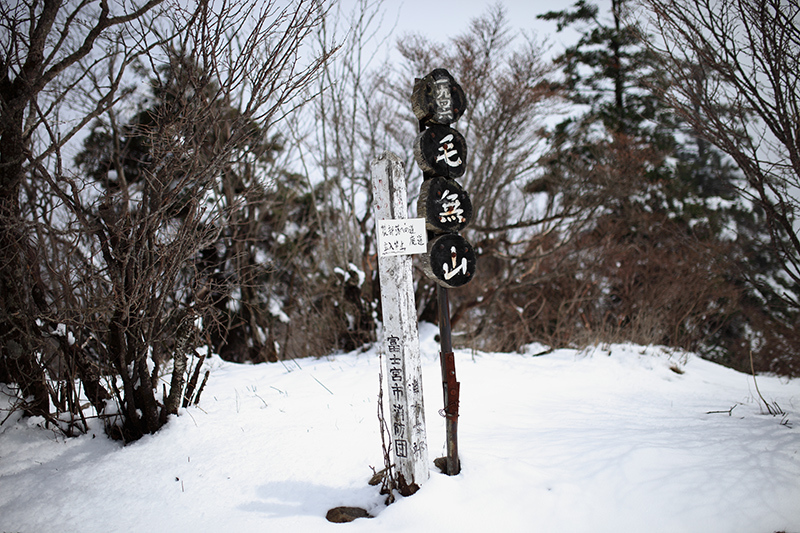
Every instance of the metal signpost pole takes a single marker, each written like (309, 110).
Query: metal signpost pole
(450, 385)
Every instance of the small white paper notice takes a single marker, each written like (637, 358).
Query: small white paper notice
(402, 236)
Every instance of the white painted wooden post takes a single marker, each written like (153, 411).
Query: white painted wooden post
(406, 417)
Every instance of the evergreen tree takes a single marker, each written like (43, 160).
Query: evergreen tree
(664, 200)
(608, 71)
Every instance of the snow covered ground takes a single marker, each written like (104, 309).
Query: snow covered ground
(609, 439)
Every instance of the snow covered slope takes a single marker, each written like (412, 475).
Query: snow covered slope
(609, 439)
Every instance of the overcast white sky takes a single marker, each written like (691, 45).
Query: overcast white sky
(449, 18)
(440, 20)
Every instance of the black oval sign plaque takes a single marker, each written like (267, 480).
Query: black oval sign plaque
(450, 261)
(437, 98)
(442, 151)
(444, 204)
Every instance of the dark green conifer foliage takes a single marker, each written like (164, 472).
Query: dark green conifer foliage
(666, 201)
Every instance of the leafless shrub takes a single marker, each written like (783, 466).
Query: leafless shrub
(112, 265)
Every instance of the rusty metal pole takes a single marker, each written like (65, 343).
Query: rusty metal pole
(449, 383)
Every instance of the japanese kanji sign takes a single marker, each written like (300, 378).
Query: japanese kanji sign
(442, 151)
(403, 236)
(444, 205)
(452, 260)
(437, 98)
(399, 236)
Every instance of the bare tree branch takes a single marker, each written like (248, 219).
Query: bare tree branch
(734, 75)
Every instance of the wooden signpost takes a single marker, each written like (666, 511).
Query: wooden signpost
(441, 153)
(450, 261)
(398, 237)
(438, 99)
(444, 208)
